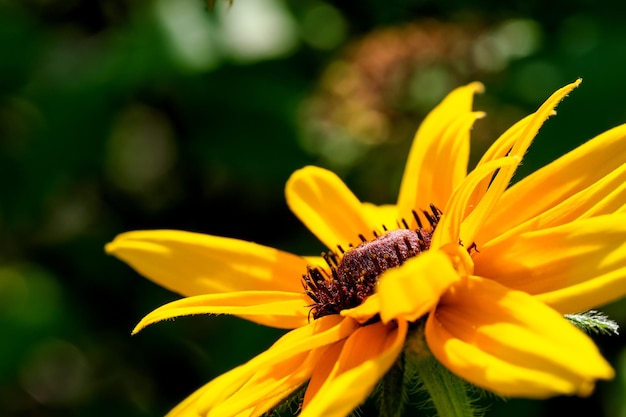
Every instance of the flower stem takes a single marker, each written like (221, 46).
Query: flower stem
(448, 392)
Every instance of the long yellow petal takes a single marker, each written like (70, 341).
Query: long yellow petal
(324, 331)
(511, 344)
(386, 215)
(476, 219)
(452, 147)
(558, 181)
(327, 207)
(501, 146)
(189, 406)
(499, 149)
(606, 196)
(366, 356)
(581, 264)
(440, 152)
(275, 395)
(598, 291)
(411, 290)
(193, 263)
(285, 310)
(450, 227)
(273, 383)
(322, 371)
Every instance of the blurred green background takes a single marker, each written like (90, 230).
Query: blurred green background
(118, 115)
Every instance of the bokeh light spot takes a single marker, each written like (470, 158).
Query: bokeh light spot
(429, 86)
(29, 296)
(54, 372)
(323, 26)
(254, 30)
(190, 33)
(534, 78)
(507, 41)
(579, 35)
(141, 153)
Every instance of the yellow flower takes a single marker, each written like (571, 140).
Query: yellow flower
(489, 269)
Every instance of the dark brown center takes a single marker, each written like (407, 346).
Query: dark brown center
(353, 277)
(367, 261)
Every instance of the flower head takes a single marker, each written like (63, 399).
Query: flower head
(481, 271)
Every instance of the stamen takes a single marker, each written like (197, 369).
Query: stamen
(473, 247)
(417, 219)
(330, 258)
(431, 219)
(331, 261)
(435, 217)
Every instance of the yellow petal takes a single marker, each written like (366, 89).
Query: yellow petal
(194, 263)
(365, 311)
(327, 207)
(322, 371)
(606, 196)
(365, 358)
(438, 157)
(270, 385)
(385, 215)
(189, 406)
(285, 310)
(316, 261)
(477, 218)
(584, 176)
(598, 291)
(408, 292)
(453, 148)
(449, 229)
(324, 331)
(573, 267)
(499, 149)
(511, 344)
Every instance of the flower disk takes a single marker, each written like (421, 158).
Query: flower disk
(353, 277)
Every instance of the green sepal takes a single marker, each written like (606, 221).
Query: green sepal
(448, 394)
(392, 390)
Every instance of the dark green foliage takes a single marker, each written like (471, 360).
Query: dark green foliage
(392, 393)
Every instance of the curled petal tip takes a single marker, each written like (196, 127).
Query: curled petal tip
(576, 83)
(109, 248)
(139, 327)
(478, 87)
(113, 246)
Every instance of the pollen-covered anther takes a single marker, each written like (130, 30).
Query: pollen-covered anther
(346, 282)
